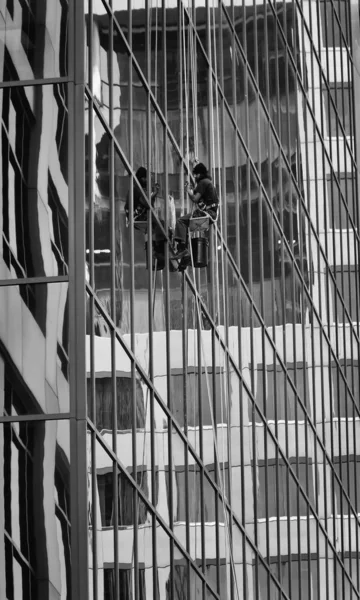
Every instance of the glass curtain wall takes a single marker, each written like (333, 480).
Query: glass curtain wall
(204, 427)
(205, 431)
(223, 400)
(35, 521)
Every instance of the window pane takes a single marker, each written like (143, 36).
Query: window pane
(331, 32)
(340, 202)
(34, 40)
(274, 482)
(35, 507)
(34, 180)
(340, 102)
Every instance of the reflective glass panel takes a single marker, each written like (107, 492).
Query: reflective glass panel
(35, 508)
(34, 181)
(34, 40)
(34, 326)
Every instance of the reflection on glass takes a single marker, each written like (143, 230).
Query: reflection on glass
(34, 326)
(104, 402)
(34, 40)
(35, 508)
(268, 406)
(34, 181)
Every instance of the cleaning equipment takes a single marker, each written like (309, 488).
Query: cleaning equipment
(200, 251)
(198, 230)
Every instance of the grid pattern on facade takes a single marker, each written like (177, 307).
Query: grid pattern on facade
(35, 523)
(179, 428)
(229, 393)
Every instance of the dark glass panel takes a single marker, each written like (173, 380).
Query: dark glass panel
(338, 123)
(105, 484)
(124, 403)
(281, 402)
(345, 295)
(34, 181)
(341, 201)
(185, 579)
(212, 402)
(304, 576)
(346, 393)
(332, 14)
(348, 470)
(273, 499)
(34, 40)
(35, 508)
(126, 579)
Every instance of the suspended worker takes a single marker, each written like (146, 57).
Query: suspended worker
(205, 197)
(140, 205)
(141, 209)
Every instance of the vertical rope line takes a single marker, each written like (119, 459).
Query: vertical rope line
(194, 93)
(218, 157)
(223, 287)
(154, 288)
(220, 203)
(190, 61)
(185, 66)
(206, 372)
(157, 158)
(196, 388)
(197, 300)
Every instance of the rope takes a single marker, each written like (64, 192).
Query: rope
(186, 94)
(185, 63)
(195, 429)
(194, 95)
(220, 478)
(196, 305)
(213, 424)
(220, 202)
(218, 292)
(156, 85)
(153, 299)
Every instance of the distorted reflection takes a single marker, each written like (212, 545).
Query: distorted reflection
(226, 348)
(34, 327)
(34, 40)
(266, 203)
(35, 509)
(113, 508)
(181, 488)
(34, 181)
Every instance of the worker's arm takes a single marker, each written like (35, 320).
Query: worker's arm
(194, 197)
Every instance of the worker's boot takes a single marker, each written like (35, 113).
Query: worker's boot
(182, 250)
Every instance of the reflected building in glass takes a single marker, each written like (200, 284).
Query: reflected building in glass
(175, 430)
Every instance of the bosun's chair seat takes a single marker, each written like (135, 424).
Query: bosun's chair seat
(199, 223)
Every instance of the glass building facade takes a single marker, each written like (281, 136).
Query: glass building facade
(166, 434)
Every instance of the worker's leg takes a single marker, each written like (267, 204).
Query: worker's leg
(181, 238)
(157, 232)
(181, 228)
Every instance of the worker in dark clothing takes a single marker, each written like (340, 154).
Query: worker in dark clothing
(141, 209)
(140, 205)
(205, 197)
